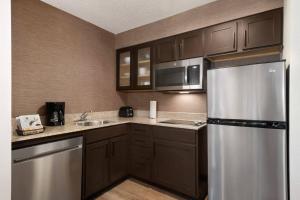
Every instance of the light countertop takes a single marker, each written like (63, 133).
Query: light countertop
(72, 127)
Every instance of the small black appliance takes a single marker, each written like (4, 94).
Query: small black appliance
(126, 111)
(55, 113)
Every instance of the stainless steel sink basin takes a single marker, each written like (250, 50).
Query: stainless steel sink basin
(93, 122)
(183, 122)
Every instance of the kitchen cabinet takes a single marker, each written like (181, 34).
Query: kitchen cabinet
(174, 163)
(261, 33)
(221, 38)
(143, 73)
(141, 151)
(118, 161)
(96, 167)
(262, 30)
(170, 157)
(134, 68)
(124, 69)
(190, 45)
(105, 157)
(183, 46)
(166, 50)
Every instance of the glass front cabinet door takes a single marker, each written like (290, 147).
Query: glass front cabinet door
(124, 69)
(134, 68)
(143, 72)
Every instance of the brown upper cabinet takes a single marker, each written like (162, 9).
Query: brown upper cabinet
(166, 50)
(221, 38)
(190, 45)
(262, 30)
(184, 46)
(134, 67)
(134, 64)
(124, 69)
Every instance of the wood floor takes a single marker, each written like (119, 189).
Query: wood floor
(135, 190)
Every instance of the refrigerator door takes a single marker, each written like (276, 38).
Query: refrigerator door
(253, 92)
(246, 163)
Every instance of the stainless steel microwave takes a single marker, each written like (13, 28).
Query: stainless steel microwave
(179, 75)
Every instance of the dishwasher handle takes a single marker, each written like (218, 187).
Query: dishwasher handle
(15, 161)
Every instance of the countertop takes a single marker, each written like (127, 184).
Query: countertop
(72, 127)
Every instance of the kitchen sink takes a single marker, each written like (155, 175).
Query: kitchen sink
(183, 122)
(93, 122)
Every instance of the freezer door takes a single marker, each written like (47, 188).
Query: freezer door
(246, 163)
(253, 92)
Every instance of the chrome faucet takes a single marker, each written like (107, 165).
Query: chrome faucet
(83, 116)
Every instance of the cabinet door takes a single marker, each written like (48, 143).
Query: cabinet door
(97, 167)
(174, 166)
(190, 45)
(221, 38)
(262, 30)
(144, 68)
(141, 161)
(118, 162)
(141, 151)
(124, 69)
(166, 50)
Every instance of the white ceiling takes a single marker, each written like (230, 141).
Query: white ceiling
(118, 16)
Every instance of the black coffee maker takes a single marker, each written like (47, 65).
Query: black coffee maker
(55, 113)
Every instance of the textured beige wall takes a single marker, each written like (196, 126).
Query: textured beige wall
(213, 13)
(58, 57)
(194, 103)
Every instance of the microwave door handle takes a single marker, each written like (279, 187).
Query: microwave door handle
(186, 78)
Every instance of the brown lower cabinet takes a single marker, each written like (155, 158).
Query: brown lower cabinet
(141, 151)
(170, 157)
(173, 158)
(105, 158)
(96, 167)
(118, 159)
(174, 166)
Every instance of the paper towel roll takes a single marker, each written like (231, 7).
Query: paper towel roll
(153, 109)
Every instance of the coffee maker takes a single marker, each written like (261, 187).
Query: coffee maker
(55, 113)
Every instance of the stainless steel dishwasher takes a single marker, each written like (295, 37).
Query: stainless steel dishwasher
(50, 171)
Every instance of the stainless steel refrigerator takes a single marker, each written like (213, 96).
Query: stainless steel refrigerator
(247, 132)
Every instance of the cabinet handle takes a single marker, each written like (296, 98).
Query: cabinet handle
(113, 149)
(106, 151)
(175, 50)
(181, 47)
(234, 40)
(245, 38)
(154, 148)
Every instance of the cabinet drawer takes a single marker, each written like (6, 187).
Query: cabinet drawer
(141, 130)
(138, 140)
(105, 133)
(175, 134)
